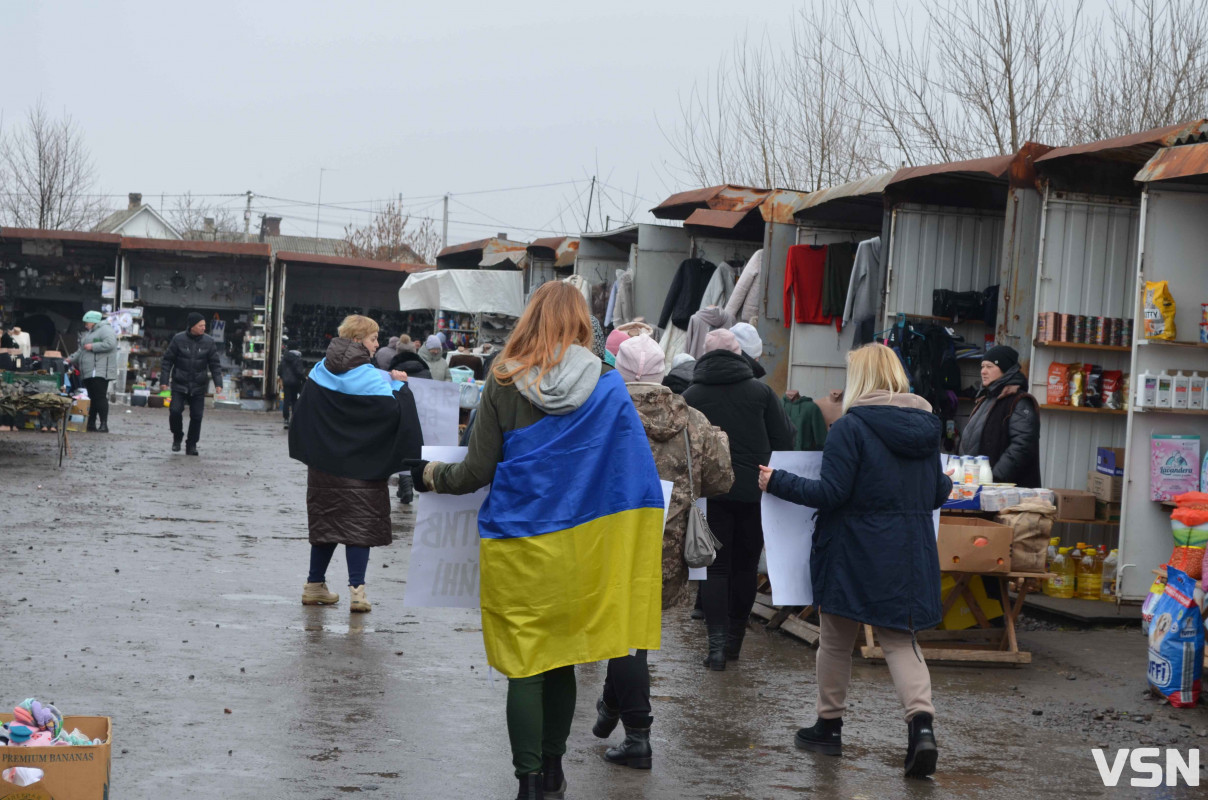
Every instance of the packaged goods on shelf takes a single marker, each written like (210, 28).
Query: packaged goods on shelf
(1159, 311)
(1174, 465)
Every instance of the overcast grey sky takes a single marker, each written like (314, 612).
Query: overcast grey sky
(417, 98)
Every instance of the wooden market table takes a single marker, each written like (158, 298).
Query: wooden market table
(984, 644)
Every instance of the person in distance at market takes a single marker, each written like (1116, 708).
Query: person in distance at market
(725, 390)
(671, 428)
(874, 558)
(433, 355)
(190, 361)
(96, 359)
(571, 532)
(292, 373)
(353, 426)
(1005, 423)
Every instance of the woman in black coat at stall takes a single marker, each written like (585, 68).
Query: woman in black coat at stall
(353, 426)
(724, 389)
(874, 558)
(1005, 423)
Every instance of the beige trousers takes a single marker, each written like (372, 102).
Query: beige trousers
(906, 666)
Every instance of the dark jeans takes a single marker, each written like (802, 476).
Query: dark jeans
(289, 396)
(729, 592)
(540, 709)
(176, 413)
(98, 400)
(627, 689)
(320, 557)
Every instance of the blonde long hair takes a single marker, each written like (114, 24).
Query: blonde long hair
(556, 318)
(871, 368)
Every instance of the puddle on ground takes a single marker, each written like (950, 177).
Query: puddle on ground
(268, 599)
(333, 627)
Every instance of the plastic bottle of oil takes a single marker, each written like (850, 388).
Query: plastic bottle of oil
(1063, 567)
(1108, 591)
(1075, 560)
(1090, 575)
(1054, 543)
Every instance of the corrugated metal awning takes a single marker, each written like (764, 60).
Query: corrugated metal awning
(1135, 147)
(312, 259)
(1170, 163)
(995, 167)
(727, 197)
(872, 186)
(196, 247)
(709, 218)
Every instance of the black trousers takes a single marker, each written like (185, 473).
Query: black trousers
(176, 412)
(98, 400)
(627, 689)
(289, 396)
(729, 591)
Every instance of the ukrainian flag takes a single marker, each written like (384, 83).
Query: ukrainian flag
(571, 540)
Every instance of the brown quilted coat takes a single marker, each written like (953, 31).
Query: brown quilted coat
(347, 510)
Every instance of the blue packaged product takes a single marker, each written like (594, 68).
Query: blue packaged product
(1176, 642)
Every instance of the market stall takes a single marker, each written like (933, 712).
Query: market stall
(474, 307)
(317, 292)
(649, 253)
(33, 401)
(163, 280)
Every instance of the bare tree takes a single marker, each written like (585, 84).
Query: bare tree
(390, 236)
(860, 91)
(47, 174)
(189, 214)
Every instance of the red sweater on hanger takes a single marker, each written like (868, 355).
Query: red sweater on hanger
(803, 276)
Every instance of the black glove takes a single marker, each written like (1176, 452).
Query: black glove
(417, 466)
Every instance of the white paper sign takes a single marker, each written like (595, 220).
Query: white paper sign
(438, 404)
(443, 571)
(788, 533)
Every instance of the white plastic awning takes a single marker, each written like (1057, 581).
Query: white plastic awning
(468, 291)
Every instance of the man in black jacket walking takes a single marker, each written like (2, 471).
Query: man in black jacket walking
(188, 364)
(293, 374)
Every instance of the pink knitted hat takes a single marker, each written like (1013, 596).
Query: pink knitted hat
(640, 359)
(721, 339)
(614, 341)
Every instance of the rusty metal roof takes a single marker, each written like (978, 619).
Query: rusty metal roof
(1135, 147)
(992, 167)
(196, 248)
(87, 237)
(562, 249)
(345, 261)
(710, 218)
(1169, 163)
(780, 205)
(726, 197)
(871, 186)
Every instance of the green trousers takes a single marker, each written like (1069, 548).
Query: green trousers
(540, 709)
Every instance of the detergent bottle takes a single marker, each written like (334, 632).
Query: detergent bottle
(1063, 566)
(1108, 591)
(1090, 575)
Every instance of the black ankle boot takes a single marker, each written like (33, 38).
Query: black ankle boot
(826, 737)
(606, 720)
(716, 659)
(738, 629)
(921, 752)
(531, 787)
(190, 449)
(176, 444)
(103, 427)
(635, 750)
(554, 781)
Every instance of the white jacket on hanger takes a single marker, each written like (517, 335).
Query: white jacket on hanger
(720, 286)
(744, 300)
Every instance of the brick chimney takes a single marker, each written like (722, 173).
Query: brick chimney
(136, 200)
(272, 226)
(208, 225)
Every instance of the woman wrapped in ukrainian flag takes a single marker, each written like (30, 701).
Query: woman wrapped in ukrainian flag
(571, 533)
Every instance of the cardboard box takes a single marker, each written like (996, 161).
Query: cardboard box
(959, 616)
(1110, 461)
(1107, 488)
(74, 772)
(973, 544)
(1107, 512)
(1074, 504)
(78, 421)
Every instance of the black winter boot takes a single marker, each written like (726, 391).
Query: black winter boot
(103, 427)
(921, 752)
(531, 787)
(554, 781)
(176, 443)
(635, 750)
(190, 449)
(738, 629)
(606, 720)
(826, 737)
(716, 659)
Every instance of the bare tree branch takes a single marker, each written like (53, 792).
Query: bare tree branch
(391, 237)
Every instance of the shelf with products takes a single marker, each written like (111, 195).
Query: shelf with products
(1105, 348)
(1195, 412)
(1119, 412)
(1171, 343)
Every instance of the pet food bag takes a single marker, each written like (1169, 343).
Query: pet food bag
(1176, 642)
(1159, 311)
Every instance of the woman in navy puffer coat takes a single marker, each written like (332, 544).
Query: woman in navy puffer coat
(874, 556)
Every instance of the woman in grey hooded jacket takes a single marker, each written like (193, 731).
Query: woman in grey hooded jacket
(96, 359)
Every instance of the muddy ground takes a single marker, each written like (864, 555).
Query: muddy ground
(163, 591)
